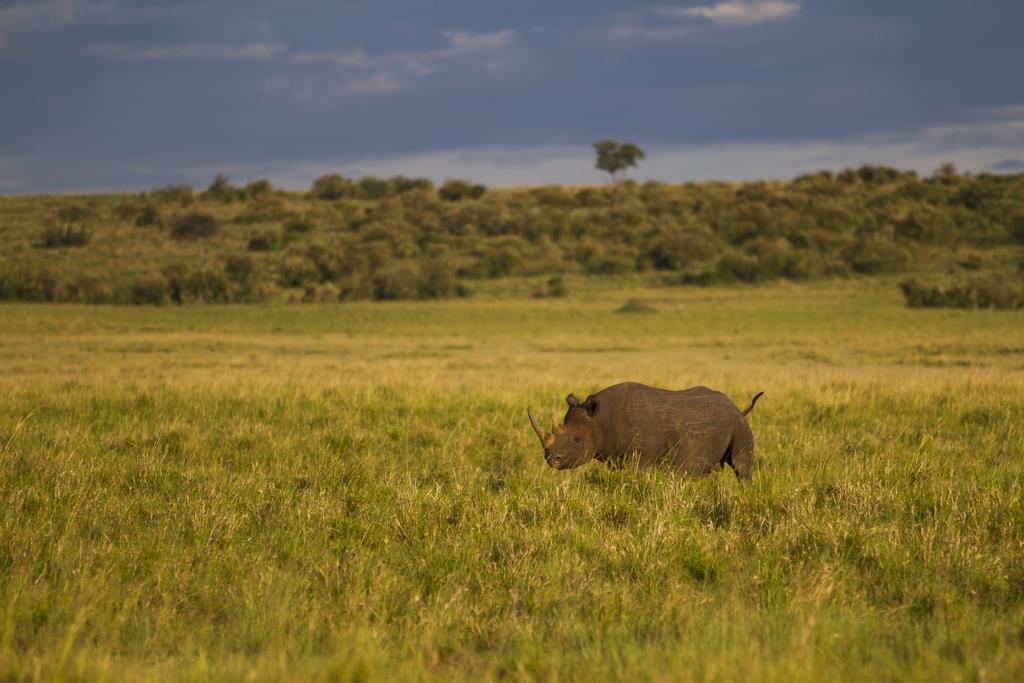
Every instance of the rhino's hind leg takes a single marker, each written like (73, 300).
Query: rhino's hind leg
(740, 455)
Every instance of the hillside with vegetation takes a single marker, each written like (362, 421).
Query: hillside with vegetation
(958, 238)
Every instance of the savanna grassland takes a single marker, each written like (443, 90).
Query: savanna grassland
(352, 491)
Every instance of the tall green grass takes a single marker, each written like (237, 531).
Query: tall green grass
(353, 493)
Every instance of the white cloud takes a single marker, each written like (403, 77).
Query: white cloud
(1008, 111)
(23, 18)
(346, 58)
(46, 13)
(651, 33)
(373, 74)
(379, 83)
(386, 72)
(461, 41)
(665, 24)
(191, 51)
(735, 12)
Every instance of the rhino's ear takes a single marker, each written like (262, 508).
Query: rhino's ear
(572, 401)
(591, 406)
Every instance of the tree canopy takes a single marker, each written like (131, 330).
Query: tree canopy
(616, 158)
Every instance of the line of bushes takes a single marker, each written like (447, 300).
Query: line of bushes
(983, 291)
(319, 276)
(400, 238)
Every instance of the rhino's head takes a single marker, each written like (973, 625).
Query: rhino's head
(573, 443)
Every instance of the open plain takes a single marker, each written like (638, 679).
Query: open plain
(353, 492)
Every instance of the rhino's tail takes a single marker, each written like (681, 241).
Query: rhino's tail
(752, 402)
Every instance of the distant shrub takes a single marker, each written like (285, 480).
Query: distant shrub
(734, 267)
(323, 293)
(258, 188)
(611, 262)
(87, 289)
(682, 249)
(990, 291)
(637, 306)
(206, 285)
(331, 187)
(299, 225)
(150, 290)
(239, 267)
(174, 194)
(702, 277)
(397, 281)
(877, 174)
(263, 209)
(555, 287)
(437, 279)
(593, 197)
(29, 283)
(66, 235)
(222, 190)
(264, 241)
(873, 254)
(295, 270)
(402, 184)
(457, 190)
(148, 215)
(375, 188)
(552, 196)
(193, 226)
(497, 257)
(330, 263)
(67, 228)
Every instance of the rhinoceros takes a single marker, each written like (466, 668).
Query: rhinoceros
(693, 431)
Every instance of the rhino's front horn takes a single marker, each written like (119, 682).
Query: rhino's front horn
(545, 439)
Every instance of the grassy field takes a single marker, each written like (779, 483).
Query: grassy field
(353, 492)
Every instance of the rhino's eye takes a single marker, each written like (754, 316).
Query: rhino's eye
(576, 439)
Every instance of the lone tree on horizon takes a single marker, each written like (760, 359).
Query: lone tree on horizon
(616, 159)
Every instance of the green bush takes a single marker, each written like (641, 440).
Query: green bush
(221, 190)
(683, 249)
(397, 281)
(987, 291)
(299, 225)
(555, 287)
(264, 209)
(148, 215)
(874, 254)
(264, 241)
(437, 279)
(331, 187)
(375, 188)
(295, 270)
(193, 226)
(258, 188)
(181, 194)
(457, 190)
(240, 268)
(322, 293)
(150, 290)
(87, 289)
(29, 283)
(66, 235)
(738, 267)
(207, 285)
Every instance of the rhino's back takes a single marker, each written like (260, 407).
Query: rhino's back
(691, 428)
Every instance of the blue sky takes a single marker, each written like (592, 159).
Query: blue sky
(110, 94)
